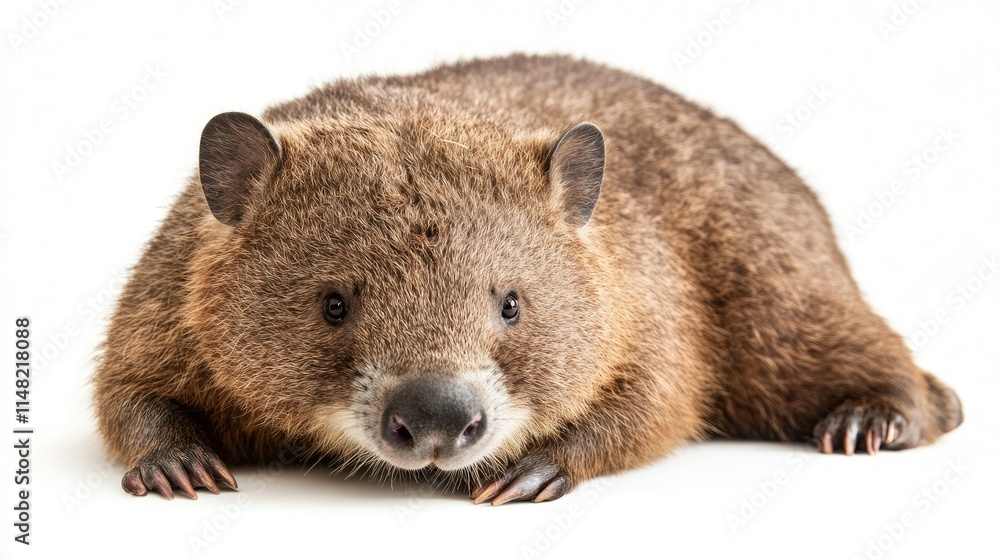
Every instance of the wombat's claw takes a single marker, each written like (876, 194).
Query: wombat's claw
(186, 470)
(845, 427)
(538, 481)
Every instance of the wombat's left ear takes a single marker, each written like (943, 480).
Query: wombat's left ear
(236, 151)
(576, 170)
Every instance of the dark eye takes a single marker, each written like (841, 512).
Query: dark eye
(510, 309)
(334, 309)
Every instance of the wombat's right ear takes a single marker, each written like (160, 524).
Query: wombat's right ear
(576, 171)
(236, 151)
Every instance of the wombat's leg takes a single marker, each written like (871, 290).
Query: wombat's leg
(867, 391)
(869, 422)
(832, 372)
(165, 446)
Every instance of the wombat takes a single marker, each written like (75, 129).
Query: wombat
(514, 273)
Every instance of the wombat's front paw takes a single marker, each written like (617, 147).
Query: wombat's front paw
(193, 467)
(531, 478)
(871, 421)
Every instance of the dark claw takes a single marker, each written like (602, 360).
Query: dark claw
(201, 478)
(179, 478)
(826, 442)
(487, 492)
(850, 436)
(876, 432)
(132, 483)
(555, 490)
(530, 479)
(185, 469)
(896, 427)
(879, 424)
(154, 478)
(221, 472)
(522, 487)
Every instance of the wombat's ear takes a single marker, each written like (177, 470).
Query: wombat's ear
(236, 150)
(576, 169)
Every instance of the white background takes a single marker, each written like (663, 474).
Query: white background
(67, 237)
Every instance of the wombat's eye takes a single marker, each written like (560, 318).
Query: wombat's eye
(334, 309)
(510, 309)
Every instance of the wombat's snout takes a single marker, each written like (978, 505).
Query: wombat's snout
(432, 419)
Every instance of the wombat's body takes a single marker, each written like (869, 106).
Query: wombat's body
(405, 272)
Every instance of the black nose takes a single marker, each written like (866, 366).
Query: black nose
(432, 417)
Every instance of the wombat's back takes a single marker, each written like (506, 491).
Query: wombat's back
(674, 170)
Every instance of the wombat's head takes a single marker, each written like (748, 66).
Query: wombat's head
(410, 290)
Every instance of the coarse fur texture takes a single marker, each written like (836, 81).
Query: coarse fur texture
(704, 296)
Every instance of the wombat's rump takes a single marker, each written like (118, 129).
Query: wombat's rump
(519, 273)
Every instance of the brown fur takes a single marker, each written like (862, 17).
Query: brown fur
(706, 295)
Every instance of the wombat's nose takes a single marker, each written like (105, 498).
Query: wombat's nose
(431, 417)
